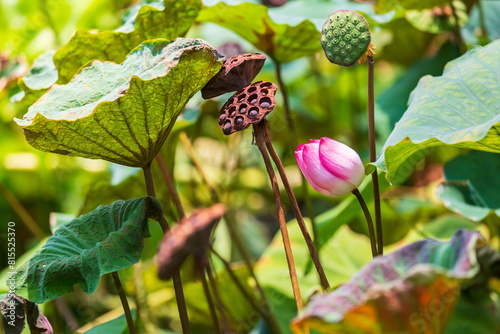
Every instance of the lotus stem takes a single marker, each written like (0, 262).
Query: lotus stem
(123, 298)
(220, 305)
(176, 277)
(208, 295)
(369, 221)
(170, 185)
(373, 156)
(281, 217)
(289, 119)
(266, 312)
(263, 126)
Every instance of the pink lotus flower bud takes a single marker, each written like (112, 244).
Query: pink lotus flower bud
(332, 168)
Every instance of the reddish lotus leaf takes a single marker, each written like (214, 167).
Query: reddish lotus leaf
(413, 290)
(247, 106)
(189, 237)
(236, 73)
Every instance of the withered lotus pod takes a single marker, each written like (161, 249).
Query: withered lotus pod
(188, 238)
(236, 73)
(247, 106)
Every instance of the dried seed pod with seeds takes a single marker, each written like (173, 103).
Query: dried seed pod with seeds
(247, 106)
(236, 73)
(345, 37)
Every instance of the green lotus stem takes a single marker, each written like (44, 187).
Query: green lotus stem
(123, 298)
(373, 156)
(176, 277)
(305, 191)
(369, 221)
(220, 305)
(267, 314)
(208, 296)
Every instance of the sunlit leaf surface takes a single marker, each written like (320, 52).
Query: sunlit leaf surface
(459, 108)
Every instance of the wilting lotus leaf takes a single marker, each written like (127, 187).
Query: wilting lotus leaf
(400, 292)
(107, 239)
(13, 317)
(282, 42)
(460, 108)
(122, 112)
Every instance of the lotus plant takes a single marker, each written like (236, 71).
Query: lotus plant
(334, 169)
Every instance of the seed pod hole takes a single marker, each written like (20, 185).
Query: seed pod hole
(222, 118)
(227, 127)
(252, 89)
(232, 111)
(264, 92)
(241, 98)
(253, 112)
(266, 85)
(239, 121)
(243, 109)
(265, 102)
(252, 99)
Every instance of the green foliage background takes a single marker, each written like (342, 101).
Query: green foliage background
(326, 100)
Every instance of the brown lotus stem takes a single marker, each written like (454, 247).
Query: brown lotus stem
(123, 298)
(373, 157)
(220, 305)
(176, 277)
(263, 126)
(369, 221)
(265, 310)
(170, 185)
(260, 139)
(305, 191)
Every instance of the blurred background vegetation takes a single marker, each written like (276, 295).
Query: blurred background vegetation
(37, 188)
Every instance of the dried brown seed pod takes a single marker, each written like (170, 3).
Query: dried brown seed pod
(236, 73)
(189, 237)
(247, 106)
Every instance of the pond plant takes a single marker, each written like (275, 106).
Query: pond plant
(124, 97)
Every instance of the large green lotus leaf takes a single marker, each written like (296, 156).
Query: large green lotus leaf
(398, 293)
(470, 188)
(107, 239)
(459, 108)
(122, 112)
(384, 6)
(281, 42)
(147, 20)
(392, 103)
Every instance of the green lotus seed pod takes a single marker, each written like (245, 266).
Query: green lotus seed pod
(349, 32)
